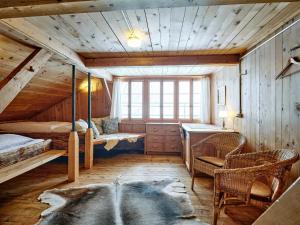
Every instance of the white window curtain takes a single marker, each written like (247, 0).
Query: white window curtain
(115, 111)
(205, 100)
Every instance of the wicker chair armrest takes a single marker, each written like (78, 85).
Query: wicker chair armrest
(238, 182)
(244, 160)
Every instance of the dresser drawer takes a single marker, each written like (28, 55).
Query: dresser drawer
(173, 139)
(155, 138)
(172, 147)
(171, 130)
(155, 147)
(155, 129)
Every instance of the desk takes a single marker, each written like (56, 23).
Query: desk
(195, 132)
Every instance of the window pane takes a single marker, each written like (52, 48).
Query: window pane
(184, 99)
(168, 99)
(124, 100)
(154, 99)
(196, 99)
(137, 100)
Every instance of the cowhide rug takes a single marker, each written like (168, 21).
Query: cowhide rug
(162, 202)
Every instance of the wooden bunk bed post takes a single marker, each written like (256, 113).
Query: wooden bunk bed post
(89, 136)
(73, 144)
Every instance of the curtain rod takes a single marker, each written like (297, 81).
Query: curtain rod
(275, 35)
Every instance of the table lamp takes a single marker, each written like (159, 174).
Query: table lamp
(223, 114)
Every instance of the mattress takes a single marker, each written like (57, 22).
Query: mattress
(15, 148)
(42, 127)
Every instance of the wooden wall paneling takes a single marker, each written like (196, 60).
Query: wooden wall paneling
(278, 94)
(286, 85)
(254, 122)
(271, 120)
(62, 110)
(294, 95)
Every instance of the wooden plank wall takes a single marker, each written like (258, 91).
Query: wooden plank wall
(62, 110)
(271, 119)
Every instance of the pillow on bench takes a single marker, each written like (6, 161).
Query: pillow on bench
(110, 126)
(99, 122)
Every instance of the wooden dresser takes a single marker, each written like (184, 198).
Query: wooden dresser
(163, 138)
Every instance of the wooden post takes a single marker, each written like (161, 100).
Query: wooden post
(89, 136)
(73, 144)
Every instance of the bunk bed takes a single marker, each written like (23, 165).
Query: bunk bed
(70, 137)
(19, 154)
(57, 131)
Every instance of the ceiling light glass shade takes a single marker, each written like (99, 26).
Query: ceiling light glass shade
(133, 41)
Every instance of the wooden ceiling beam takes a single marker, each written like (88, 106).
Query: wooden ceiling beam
(21, 29)
(21, 8)
(17, 3)
(20, 77)
(230, 59)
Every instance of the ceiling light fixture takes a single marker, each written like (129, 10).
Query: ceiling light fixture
(133, 40)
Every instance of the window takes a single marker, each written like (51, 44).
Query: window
(136, 100)
(196, 99)
(154, 99)
(184, 99)
(168, 99)
(132, 100)
(124, 100)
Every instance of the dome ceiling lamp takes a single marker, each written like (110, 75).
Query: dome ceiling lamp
(133, 40)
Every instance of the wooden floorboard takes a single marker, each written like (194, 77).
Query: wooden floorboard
(18, 197)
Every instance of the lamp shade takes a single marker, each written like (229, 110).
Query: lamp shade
(223, 114)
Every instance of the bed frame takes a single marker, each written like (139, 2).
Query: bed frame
(11, 171)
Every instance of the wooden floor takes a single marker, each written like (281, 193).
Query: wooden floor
(18, 197)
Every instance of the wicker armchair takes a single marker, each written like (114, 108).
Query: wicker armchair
(252, 177)
(209, 154)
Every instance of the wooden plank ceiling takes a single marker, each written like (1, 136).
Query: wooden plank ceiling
(12, 54)
(219, 29)
(184, 30)
(51, 85)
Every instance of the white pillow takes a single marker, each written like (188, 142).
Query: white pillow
(8, 140)
(81, 125)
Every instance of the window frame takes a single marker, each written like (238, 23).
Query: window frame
(146, 98)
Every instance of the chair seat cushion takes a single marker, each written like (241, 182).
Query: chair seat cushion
(260, 189)
(212, 160)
